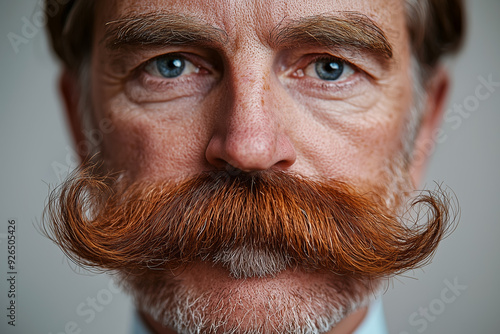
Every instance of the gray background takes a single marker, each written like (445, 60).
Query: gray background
(33, 141)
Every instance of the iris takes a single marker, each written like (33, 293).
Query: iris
(170, 66)
(329, 69)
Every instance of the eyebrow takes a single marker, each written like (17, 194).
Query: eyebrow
(347, 30)
(160, 29)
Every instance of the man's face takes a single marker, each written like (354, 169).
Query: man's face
(255, 97)
(320, 89)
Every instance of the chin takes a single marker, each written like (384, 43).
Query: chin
(205, 298)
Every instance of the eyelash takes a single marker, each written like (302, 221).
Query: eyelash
(204, 75)
(199, 69)
(188, 64)
(143, 86)
(347, 66)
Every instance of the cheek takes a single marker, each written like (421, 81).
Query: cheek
(352, 147)
(379, 141)
(155, 143)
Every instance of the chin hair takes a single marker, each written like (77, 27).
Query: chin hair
(313, 308)
(243, 262)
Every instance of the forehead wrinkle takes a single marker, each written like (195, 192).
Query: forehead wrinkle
(346, 30)
(160, 29)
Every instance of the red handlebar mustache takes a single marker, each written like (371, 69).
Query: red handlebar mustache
(110, 225)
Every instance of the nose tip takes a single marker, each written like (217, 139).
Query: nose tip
(255, 149)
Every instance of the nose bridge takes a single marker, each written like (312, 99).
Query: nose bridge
(248, 135)
(249, 111)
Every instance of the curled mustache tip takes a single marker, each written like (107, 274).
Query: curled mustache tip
(106, 224)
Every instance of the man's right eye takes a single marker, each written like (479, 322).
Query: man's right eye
(171, 66)
(170, 76)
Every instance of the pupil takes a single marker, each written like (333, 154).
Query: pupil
(329, 70)
(170, 67)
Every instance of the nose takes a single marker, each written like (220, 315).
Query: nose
(250, 133)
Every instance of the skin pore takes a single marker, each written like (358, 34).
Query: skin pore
(248, 93)
(249, 106)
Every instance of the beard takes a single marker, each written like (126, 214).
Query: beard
(235, 252)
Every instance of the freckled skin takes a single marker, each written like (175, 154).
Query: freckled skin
(251, 118)
(255, 114)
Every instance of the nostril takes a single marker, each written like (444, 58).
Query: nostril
(259, 151)
(233, 171)
(284, 164)
(218, 163)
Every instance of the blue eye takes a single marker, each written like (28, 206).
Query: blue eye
(171, 66)
(329, 69)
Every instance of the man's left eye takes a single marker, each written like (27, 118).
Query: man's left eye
(329, 69)
(171, 66)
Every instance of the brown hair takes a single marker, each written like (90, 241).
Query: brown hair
(70, 40)
(436, 28)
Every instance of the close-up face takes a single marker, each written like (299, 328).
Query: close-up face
(259, 157)
(321, 89)
(250, 166)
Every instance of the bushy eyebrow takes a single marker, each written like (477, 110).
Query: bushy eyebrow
(160, 29)
(347, 30)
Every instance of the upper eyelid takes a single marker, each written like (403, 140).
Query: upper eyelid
(292, 59)
(146, 63)
(304, 59)
(141, 69)
(144, 67)
(327, 56)
(200, 61)
(197, 60)
(362, 67)
(317, 57)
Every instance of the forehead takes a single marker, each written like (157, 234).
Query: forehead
(239, 18)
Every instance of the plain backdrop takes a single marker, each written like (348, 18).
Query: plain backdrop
(54, 297)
